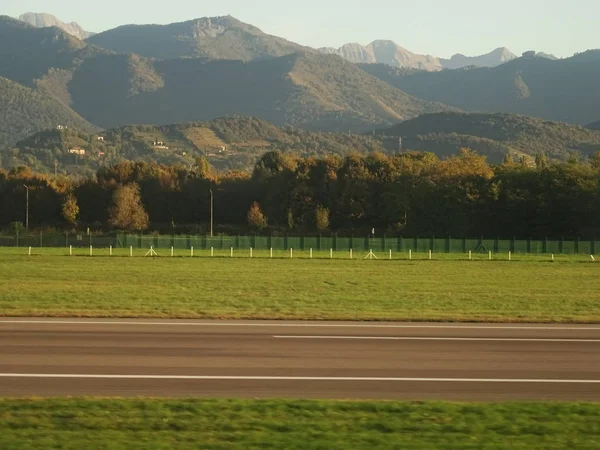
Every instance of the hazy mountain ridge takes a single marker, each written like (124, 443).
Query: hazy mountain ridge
(385, 52)
(308, 90)
(42, 20)
(392, 54)
(494, 58)
(530, 85)
(208, 37)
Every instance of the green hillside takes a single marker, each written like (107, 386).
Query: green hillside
(565, 90)
(495, 135)
(318, 92)
(208, 37)
(227, 143)
(25, 111)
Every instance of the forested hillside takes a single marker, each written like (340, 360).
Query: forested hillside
(415, 194)
(565, 90)
(496, 136)
(233, 143)
(25, 111)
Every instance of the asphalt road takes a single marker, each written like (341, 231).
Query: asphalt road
(299, 360)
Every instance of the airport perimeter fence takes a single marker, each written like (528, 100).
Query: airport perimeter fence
(316, 243)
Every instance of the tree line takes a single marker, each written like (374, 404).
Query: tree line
(411, 194)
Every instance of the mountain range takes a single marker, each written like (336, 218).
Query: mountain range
(43, 20)
(110, 89)
(565, 90)
(392, 54)
(213, 67)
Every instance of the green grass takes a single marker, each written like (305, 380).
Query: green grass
(276, 424)
(49, 284)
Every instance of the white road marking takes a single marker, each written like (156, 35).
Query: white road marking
(416, 338)
(301, 325)
(274, 378)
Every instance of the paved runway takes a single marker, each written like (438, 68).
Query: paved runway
(41, 357)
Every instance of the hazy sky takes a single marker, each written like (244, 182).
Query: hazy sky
(437, 27)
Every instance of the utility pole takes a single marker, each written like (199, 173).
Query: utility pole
(27, 208)
(211, 212)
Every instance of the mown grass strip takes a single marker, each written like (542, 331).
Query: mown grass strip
(278, 424)
(446, 290)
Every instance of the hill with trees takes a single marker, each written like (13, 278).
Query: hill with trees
(233, 143)
(208, 37)
(26, 111)
(495, 136)
(531, 85)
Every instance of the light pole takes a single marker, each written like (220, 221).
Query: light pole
(211, 211)
(27, 208)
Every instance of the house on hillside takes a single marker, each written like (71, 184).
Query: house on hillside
(77, 151)
(100, 138)
(160, 145)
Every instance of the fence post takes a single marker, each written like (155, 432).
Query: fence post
(271, 253)
(331, 253)
(192, 252)
(311, 253)
(131, 250)
(91, 251)
(410, 254)
(250, 252)
(470, 255)
(172, 251)
(350, 253)
(430, 255)
(390, 255)
(30, 251)
(510, 256)
(232, 252)
(70, 250)
(490, 256)
(212, 252)
(291, 253)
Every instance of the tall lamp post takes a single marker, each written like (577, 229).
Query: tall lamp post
(211, 211)
(27, 208)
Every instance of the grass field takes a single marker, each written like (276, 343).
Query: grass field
(246, 424)
(526, 290)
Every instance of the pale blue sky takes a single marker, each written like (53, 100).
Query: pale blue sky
(437, 27)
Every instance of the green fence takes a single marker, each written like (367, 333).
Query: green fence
(316, 243)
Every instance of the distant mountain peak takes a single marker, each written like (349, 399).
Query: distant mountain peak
(384, 51)
(44, 20)
(495, 58)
